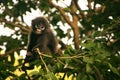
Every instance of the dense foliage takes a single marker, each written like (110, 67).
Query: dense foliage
(94, 53)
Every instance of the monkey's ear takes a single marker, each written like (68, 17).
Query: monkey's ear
(32, 22)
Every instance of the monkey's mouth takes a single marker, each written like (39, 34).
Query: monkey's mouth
(38, 31)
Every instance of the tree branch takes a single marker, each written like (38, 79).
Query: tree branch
(23, 28)
(11, 51)
(80, 11)
(73, 23)
(89, 4)
(42, 60)
(61, 11)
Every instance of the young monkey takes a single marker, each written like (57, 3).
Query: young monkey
(42, 37)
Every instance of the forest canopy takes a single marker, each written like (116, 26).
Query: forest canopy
(94, 51)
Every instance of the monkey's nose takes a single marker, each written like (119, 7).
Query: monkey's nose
(38, 30)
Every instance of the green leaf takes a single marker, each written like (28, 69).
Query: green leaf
(89, 45)
(88, 68)
(101, 55)
(67, 9)
(91, 77)
(60, 32)
(33, 73)
(69, 50)
(55, 19)
(96, 33)
(59, 66)
(51, 76)
(114, 70)
(88, 60)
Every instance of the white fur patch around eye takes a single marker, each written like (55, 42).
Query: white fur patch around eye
(36, 26)
(42, 28)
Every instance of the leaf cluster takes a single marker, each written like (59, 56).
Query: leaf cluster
(98, 56)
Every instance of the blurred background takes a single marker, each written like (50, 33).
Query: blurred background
(89, 29)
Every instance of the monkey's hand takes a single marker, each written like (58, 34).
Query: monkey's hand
(30, 57)
(35, 50)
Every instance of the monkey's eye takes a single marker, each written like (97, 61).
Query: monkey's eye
(36, 26)
(42, 27)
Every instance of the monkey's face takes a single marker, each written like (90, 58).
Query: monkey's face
(38, 28)
(39, 25)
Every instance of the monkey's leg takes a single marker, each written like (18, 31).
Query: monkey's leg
(27, 60)
(30, 57)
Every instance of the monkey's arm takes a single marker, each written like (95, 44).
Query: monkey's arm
(52, 43)
(31, 42)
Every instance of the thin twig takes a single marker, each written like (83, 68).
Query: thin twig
(97, 73)
(42, 60)
(67, 57)
(11, 51)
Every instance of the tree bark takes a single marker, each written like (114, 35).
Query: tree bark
(73, 23)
